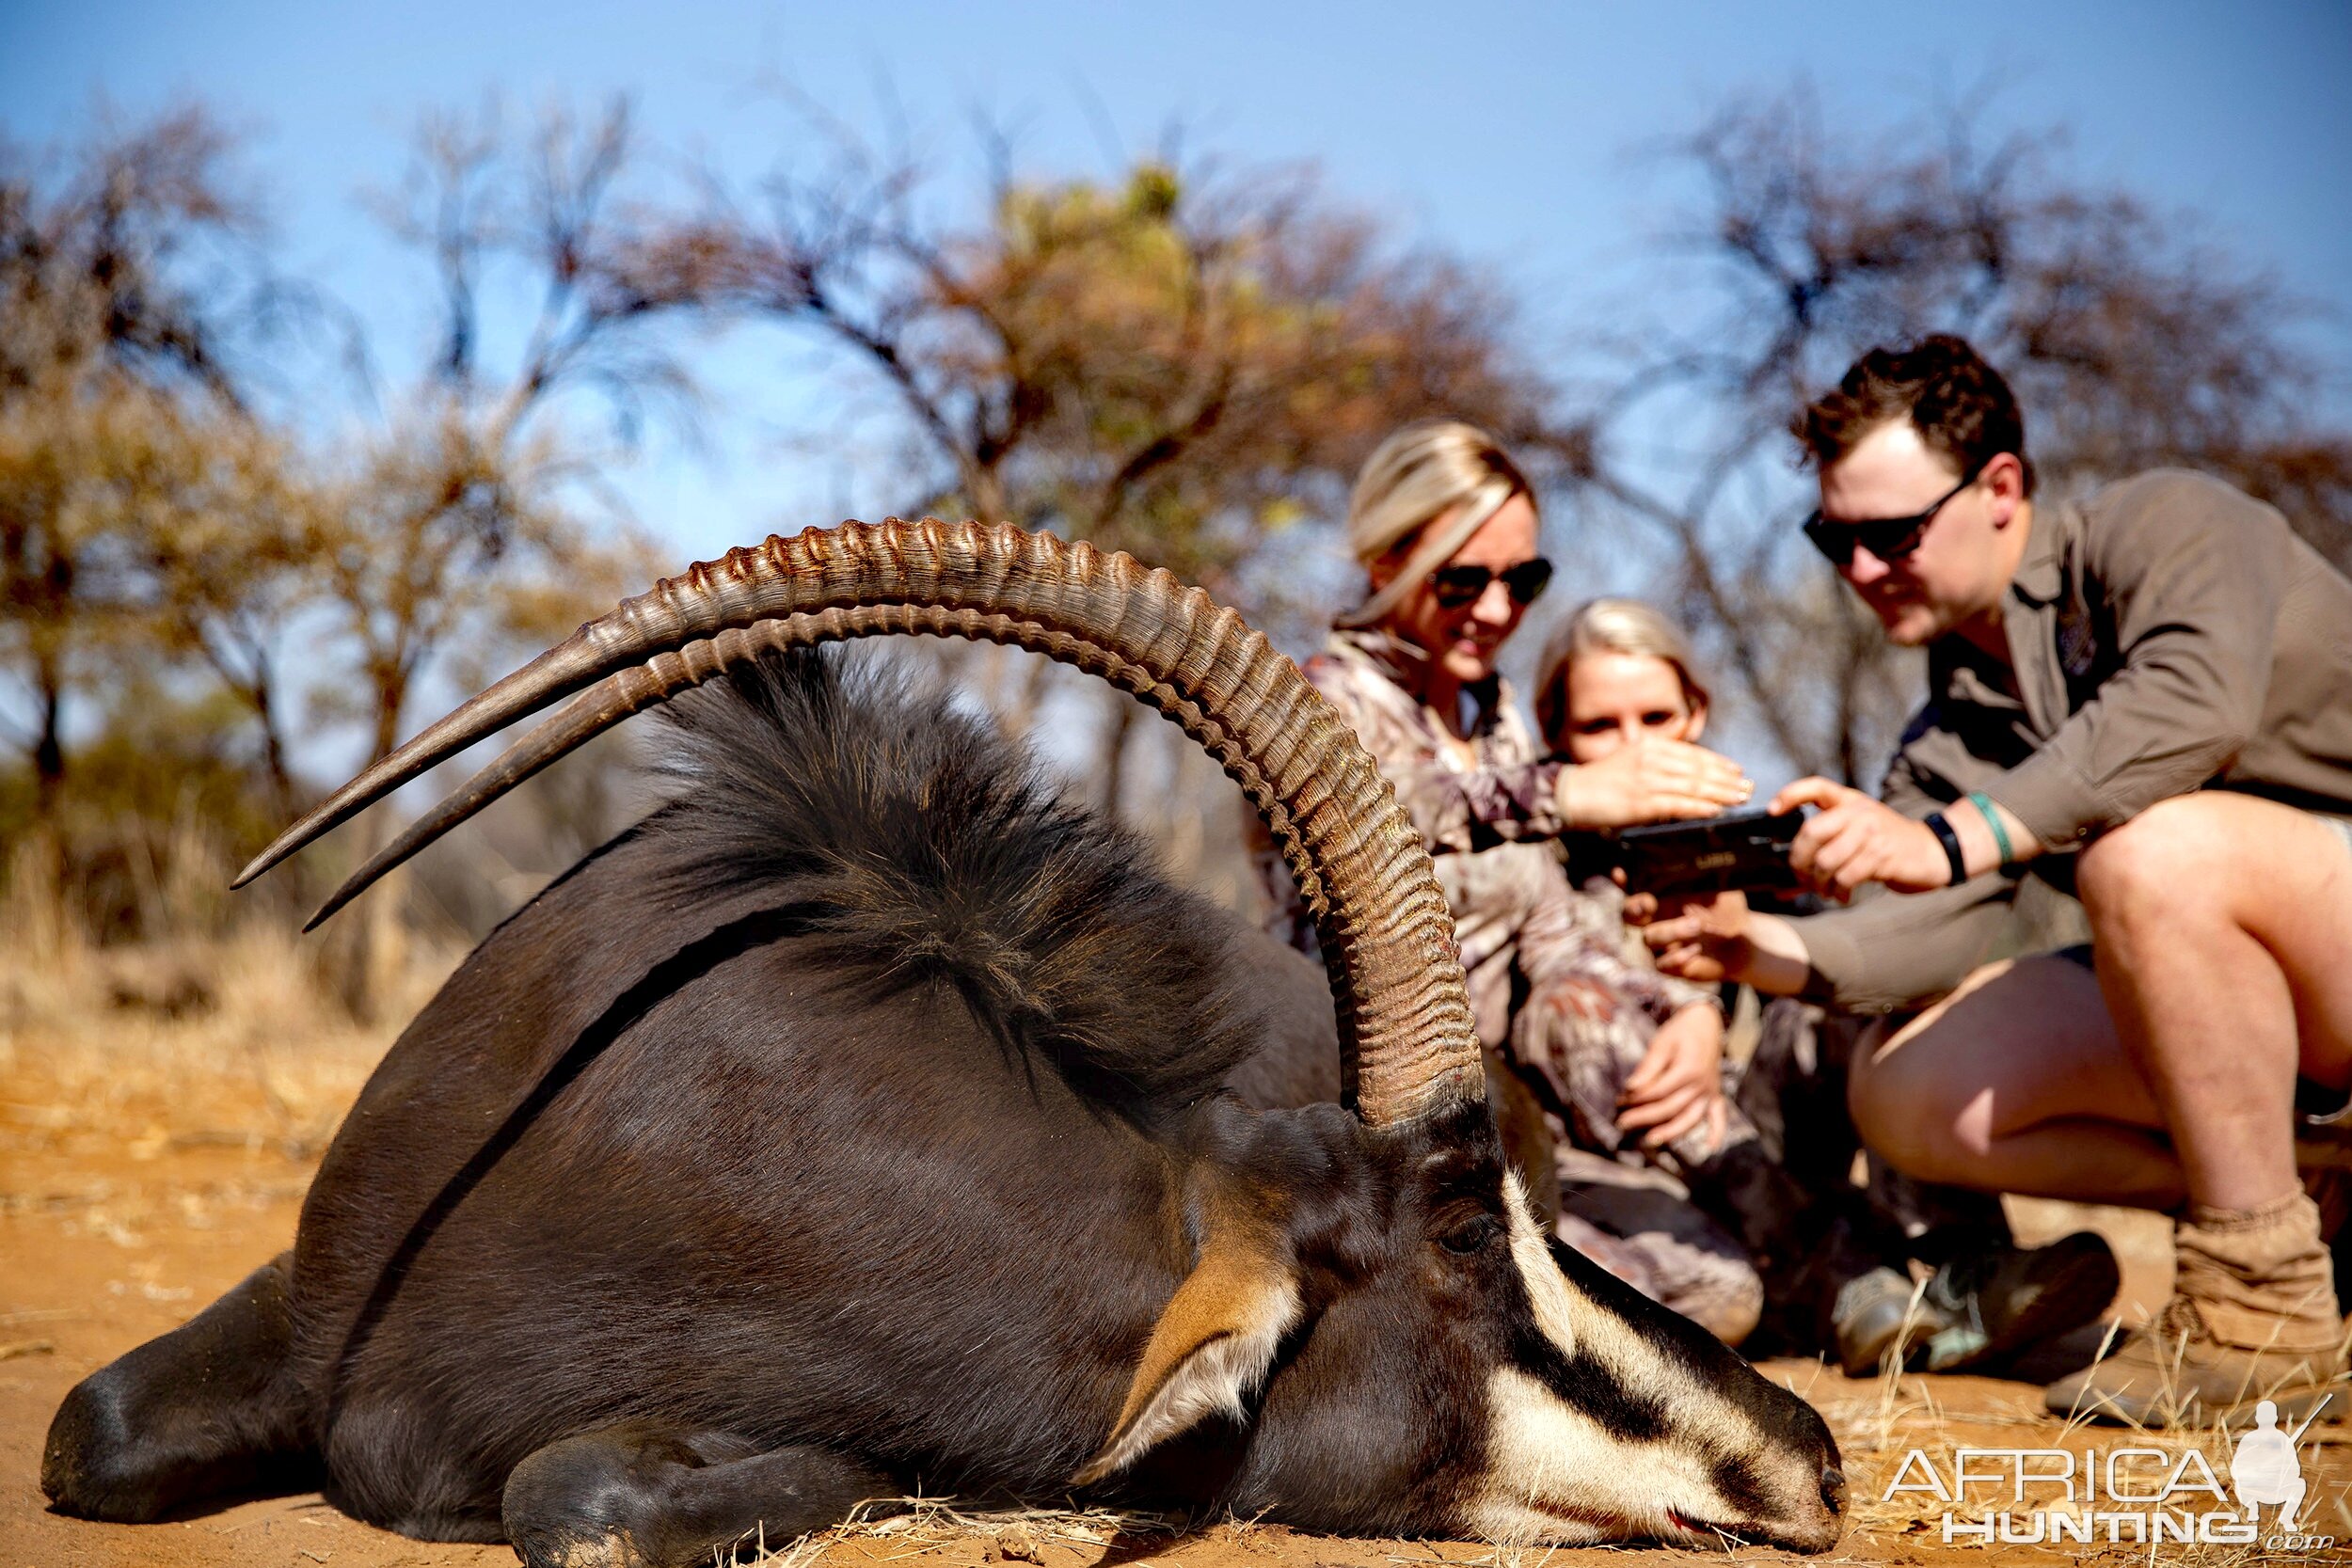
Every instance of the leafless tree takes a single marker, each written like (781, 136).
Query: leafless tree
(133, 248)
(158, 533)
(1181, 365)
(123, 279)
(471, 491)
(2130, 344)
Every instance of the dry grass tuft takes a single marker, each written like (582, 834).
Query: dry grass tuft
(914, 1527)
(226, 1036)
(1879, 1420)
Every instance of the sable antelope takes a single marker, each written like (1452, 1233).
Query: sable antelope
(854, 1124)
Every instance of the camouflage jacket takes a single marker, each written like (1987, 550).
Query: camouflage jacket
(1488, 820)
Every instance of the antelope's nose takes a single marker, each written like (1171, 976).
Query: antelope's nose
(1833, 1491)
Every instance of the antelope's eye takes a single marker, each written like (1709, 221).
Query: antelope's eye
(1471, 1235)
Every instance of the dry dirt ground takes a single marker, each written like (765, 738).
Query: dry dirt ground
(148, 1161)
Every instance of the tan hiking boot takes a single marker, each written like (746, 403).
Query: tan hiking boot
(2252, 1317)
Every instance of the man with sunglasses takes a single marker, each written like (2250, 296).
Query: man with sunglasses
(2146, 699)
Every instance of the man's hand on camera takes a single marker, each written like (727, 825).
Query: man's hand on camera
(1699, 937)
(1655, 780)
(1679, 1084)
(1853, 839)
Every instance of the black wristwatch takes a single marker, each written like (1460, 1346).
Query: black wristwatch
(1950, 840)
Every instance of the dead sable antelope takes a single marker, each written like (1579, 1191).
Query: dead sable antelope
(854, 1124)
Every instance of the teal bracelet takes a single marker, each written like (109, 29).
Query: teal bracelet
(1985, 809)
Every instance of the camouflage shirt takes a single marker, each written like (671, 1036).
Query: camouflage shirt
(1486, 810)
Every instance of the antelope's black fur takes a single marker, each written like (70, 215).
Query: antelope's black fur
(846, 1127)
(931, 851)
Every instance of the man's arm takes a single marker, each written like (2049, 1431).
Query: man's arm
(1852, 840)
(1914, 787)
(1882, 953)
(2195, 572)
(1709, 941)
(1891, 952)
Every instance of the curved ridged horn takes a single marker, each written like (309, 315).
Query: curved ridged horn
(1409, 1046)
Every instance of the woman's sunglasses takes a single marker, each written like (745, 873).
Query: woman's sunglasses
(1886, 538)
(1457, 586)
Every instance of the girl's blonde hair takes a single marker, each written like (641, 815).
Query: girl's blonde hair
(1610, 626)
(1411, 479)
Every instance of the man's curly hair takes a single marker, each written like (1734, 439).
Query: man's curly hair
(1960, 405)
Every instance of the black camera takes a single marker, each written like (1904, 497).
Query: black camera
(1747, 851)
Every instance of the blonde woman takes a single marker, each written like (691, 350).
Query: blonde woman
(1616, 679)
(1444, 524)
(1614, 674)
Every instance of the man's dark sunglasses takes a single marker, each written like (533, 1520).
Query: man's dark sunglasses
(1457, 586)
(1887, 538)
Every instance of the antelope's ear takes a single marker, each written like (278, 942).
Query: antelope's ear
(1214, 1341)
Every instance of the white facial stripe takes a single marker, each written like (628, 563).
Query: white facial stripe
(1545, 1452)
(1546, 1287)
(1573, 1322)
(1555, 1474)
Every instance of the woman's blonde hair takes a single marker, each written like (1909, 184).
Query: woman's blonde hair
(1414, 477)
(1610, 626)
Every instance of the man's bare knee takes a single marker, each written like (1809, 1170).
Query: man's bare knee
(2166, 863)
(1922, 1142)
(1898, 1100)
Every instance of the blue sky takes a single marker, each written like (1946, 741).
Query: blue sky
(1510, 134)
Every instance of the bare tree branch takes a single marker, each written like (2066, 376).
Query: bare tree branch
(2130, 344)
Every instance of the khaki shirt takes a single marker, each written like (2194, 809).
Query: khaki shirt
(2168, 634)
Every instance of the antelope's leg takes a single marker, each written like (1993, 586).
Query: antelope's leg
(648, 1496)
(209, 1410)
